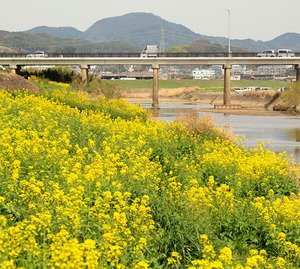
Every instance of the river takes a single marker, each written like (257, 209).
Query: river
(280, 133)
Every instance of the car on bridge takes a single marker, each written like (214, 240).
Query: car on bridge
(151, 51)
(285, 53)
(37, 54)
(267, 53)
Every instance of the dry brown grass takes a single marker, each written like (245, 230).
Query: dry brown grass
(204, 126)
(177, 92)
(290, 100)
(163, 93)
(261, 94)
(10, 81)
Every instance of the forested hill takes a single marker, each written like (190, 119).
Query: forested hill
(141, 29)
(130, 33)
(27, 42)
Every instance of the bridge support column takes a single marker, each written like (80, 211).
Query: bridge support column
(155, 68)
(226, 97)
(297, 67)
(85, 73)
(15, 69)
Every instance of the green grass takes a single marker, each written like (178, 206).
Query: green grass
(209, 85)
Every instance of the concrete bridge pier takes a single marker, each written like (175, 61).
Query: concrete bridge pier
(227, 97)
(15, 69)
(155, 105)
(297, 67)
(85, 73)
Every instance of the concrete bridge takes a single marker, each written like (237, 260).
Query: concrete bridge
(16, 63)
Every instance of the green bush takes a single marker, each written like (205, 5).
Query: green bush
(59, 74)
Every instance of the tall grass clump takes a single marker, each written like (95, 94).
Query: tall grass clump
(96, 87)
(203, 126)
(292, 96)
(290, 99)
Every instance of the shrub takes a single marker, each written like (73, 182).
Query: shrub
(96, 87)
(292, 96)
(290, 100)
(203, 126)
(59, 73)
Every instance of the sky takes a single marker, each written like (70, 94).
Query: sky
(256, 19)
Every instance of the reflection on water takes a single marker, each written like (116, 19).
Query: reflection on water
(280, 133)
(296, 134)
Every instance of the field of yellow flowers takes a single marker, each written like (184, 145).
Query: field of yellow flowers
(95, 183)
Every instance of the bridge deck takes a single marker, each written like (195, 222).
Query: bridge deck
(86, 61)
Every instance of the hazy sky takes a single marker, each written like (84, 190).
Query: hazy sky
(256, 19)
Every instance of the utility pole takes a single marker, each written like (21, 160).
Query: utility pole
(229, 49)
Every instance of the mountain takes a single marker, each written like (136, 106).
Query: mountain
(249, 44)
(287, 40)
(140, 29)
(62, 32)
(27, 42)
(132, 32)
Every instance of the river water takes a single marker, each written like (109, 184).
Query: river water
(280, 133)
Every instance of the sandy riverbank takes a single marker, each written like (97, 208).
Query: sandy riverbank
(257, 103)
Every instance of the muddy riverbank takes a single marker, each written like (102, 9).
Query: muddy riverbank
(251, 103)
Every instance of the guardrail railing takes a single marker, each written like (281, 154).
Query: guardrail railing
(131, 55)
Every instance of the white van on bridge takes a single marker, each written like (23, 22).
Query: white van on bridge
(267, 53)
(279, 53)
(37, 54)
(285, 53)
(151, 51)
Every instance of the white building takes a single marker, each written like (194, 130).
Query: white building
(237, 69)
(203, 73)
(275, 70)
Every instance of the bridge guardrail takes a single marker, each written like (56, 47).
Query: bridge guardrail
(131, 55)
